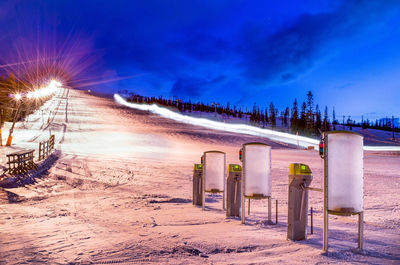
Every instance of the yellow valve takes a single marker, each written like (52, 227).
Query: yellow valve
(299, 169)
(234, 168)
(198, 167)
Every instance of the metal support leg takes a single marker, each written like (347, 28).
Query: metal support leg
(325, 232)
(269, 209)
(249, 207)
(360, 230)
(243, 207)
(325, 183)
(203, 195)
(223, 201)
(312, 224)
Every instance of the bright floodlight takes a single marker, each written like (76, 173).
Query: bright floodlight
(29, 95)
(36, 94)
(47, 90)
(54, 84)
(18, 96)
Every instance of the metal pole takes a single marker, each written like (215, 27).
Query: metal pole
(1, 124)
(243, 186)
(249, 208)
(215, 108)
(9, 140)
(312, 224)
(223, 194)
(194, 178)
(203, 193)
(360, 230)
(325, 231)
(236, 189)
(276, 212)
(269, 209)
(223, 200)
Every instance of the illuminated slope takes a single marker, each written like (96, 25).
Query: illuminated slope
(236, 128)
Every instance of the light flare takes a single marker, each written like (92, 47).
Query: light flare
(46, 91)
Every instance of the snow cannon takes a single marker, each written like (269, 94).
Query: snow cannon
(256, 175)
(300, 178)
(343, 178)
(197, 186)
(214, 170)
(233, 190)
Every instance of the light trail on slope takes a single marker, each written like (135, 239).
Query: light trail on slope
(237, 128)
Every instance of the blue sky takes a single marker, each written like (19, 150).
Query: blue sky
(244, 52)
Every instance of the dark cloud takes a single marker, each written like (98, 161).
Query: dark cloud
(193, 87)
(295, 48)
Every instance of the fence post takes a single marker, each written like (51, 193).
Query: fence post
(312, 225)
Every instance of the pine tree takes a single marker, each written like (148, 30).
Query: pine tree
(334, 121)
(327, 127)
(11, 79)
(253, 115)
(266, 115)
(294, 123)
(303, 117)
(286, 117)
(310, 112)
(272, 116)
(11, 83)
(318, 121)
(349, 123)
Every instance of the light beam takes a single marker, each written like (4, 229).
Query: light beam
(237, 128)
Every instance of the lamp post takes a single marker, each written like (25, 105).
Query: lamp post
(393, 128)
(18, 97)
(37, 94)
(1, 137)
(215, 105)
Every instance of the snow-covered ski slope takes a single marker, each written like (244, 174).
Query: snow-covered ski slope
(236, 128)
(120, 193)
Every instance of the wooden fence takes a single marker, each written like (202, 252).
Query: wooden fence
(46, 147)
(20, 162)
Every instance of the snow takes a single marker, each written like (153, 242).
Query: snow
(207, 123)
(120, 192)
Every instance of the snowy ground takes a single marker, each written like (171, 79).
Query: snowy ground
(120, 192)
